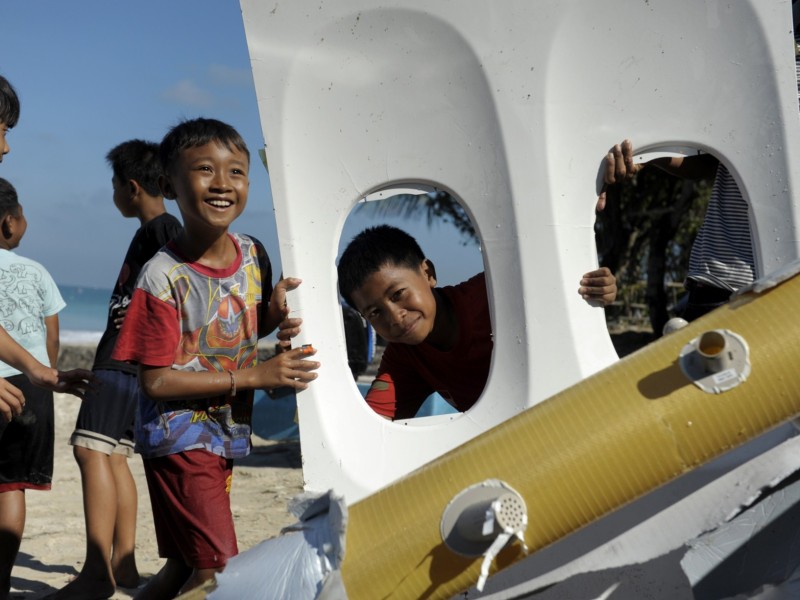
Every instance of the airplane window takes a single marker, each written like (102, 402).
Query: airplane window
(447, 238)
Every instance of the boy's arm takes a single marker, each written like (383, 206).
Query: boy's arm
(397, 392)
(15, 355)
(619, 167)
(53, 343)
(381, 397)
(75, 382)
(287, 369)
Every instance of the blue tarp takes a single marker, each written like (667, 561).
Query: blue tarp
(275, 418)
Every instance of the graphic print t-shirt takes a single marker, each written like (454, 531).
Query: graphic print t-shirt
(28, 294)
(194, 318)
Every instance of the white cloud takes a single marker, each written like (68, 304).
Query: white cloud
(223, 76)
(188, 93)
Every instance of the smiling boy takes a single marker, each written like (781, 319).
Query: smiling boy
(439, 339)
(193, 325)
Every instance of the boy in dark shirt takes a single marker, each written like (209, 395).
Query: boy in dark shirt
(103, 437)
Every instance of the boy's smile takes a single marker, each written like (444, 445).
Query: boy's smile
(210, 184)
(399, 303)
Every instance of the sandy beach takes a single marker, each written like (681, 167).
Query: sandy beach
(53, 546)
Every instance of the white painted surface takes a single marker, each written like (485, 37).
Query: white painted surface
(511, 106)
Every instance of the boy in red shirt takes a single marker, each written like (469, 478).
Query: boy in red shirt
(439, 339)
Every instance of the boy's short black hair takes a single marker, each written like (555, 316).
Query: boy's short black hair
(372, 249)
(9, 201)
(198, 132)
(137, 160)
(9, 103)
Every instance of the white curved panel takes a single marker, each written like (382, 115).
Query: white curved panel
(511, 106)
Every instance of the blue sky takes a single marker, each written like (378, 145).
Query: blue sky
(93, 73)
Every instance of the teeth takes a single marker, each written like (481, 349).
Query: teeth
(220, 203)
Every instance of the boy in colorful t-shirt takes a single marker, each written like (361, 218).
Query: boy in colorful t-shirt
(193, 325)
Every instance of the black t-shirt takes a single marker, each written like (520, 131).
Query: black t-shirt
(146, 242)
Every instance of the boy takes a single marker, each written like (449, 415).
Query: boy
(200, 305)
(103, 437)
(29, 306)
(75, 382)
(439, 339)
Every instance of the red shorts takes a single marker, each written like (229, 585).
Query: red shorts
(190, 496)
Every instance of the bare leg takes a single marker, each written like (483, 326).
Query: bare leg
(95, 581)
(167, 583)
(12, 524)
(123, 559)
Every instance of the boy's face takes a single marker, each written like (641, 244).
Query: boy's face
(122, 197)
(3, 143)
(210, 184)
(399, 302)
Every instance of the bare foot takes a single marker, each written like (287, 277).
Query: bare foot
(84, 588)
(125, 572)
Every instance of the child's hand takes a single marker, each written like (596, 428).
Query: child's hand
(119, 316)
(619, 167)
(600, 285)
(287, 329)
(278, 306)
(287, 369)
(277, 303)
(76, 382)
(11, 401)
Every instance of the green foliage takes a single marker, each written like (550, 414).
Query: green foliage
(435, 206)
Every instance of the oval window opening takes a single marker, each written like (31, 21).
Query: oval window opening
(679, 239)
(411, 281)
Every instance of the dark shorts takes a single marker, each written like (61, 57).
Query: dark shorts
(702, 299)
(105, 421)
(26, 442)
(190, 496)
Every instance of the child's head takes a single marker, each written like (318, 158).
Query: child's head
(206, 164)
(198, 132)
(9, 113)
(384, 275)
(12, 219)
(135, 162)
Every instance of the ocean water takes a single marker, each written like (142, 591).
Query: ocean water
(84, 318)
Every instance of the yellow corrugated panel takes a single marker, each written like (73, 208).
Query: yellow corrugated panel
(588, 450)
